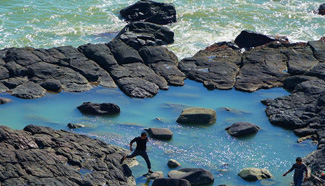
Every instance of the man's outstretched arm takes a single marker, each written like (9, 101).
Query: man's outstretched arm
(288, 171)
(131, 143)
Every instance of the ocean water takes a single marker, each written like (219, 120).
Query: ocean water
(50, 23)
(46, 24)
(206, 147)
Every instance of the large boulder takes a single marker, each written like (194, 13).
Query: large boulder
(195, 176)
(150, 11)
(321, 9)
(254, 174)
(196, 115)
(171, 182)
(155, 175)
(138, 34)
(242, 129)
(318, 48)
(99, 108)
(160, 133)
(248, 39)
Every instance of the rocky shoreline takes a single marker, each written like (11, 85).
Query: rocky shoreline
(43, 156)
(140, 66)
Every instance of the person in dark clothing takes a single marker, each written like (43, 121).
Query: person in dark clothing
(140, 150)
(299, 168)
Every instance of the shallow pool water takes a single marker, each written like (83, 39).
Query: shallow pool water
(206, 147)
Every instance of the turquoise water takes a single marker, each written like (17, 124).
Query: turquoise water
(40, 23)
(208, 147)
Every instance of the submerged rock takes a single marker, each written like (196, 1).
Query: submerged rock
(242, 129)
(99, 108)
(43, 156)
(173, 163)
(195, 176)
(150, 11)
(160, 133)
(75, 126)
(254, 174)
(171, 182)
(4, 100)
(248, 39)
(195, 115)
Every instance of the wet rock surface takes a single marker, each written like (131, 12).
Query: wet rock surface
(150, 11)
(99, 108)
(197, 115)
(195, 176)
(254, 174)
(242, 129)
(171, 182)
(43, 156)
(160, 133)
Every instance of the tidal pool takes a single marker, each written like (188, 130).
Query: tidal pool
(206, 147)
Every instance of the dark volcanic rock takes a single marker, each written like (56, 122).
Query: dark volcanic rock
(28, 90)
(171, 182)
(3, 88)
(248, 39)
(262, 68)
(138, 34)
(43, 156)
(101, 54)
(318, 48)
(137, 87)
(291, 82)
(193, 175)
(164, 63)
(242, 129)
(4, 101)
(297, 110)
(52, 85)
(216, 66)
(300, 60)
(321, 9)
(123, 53)
(150, 11)
(302, 132)
(160, 133)
(99, 109)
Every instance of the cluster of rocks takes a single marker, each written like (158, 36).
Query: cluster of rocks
(44, 156)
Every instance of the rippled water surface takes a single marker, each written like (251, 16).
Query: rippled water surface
(208, 147)
(39, 23)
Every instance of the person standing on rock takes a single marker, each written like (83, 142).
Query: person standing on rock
(140, 150)
(299, 168)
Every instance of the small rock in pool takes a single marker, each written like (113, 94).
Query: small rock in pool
(254, 174)
(195, 115)
(99, 108)
(160, 133)
(4, 101)
(171, 182)
(242, 129)
(173, 163)
(75, 126)
(155, 175)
